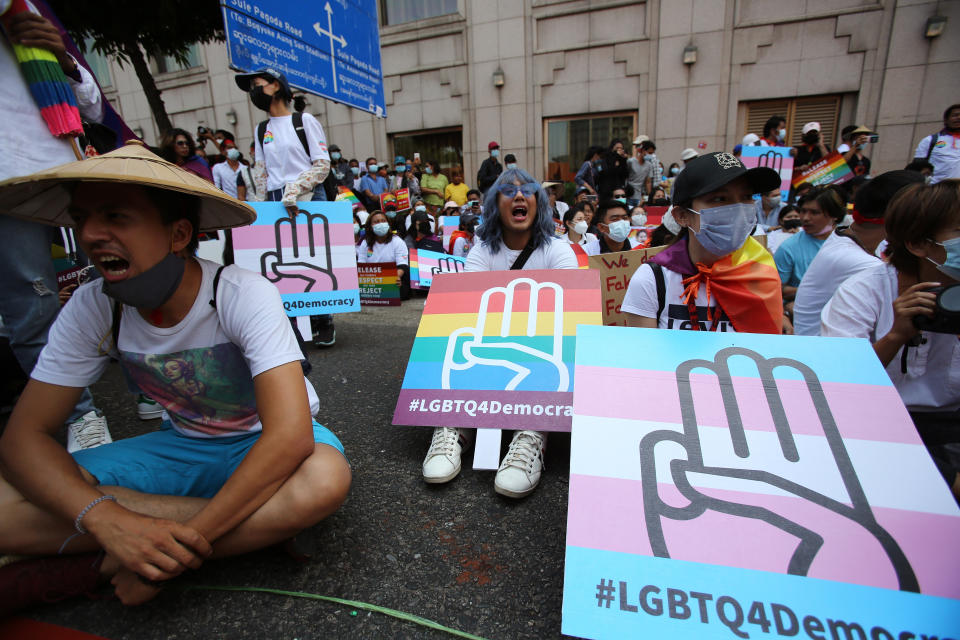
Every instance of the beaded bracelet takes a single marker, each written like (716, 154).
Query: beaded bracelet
(78, 523)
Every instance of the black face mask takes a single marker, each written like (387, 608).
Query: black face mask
(811, 138)
(150, 289)
(260, 100)
(791, 223)
(661, 202)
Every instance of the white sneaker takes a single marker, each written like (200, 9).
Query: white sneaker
(519, 473)
(88, 432)
(442, 463)
(147, 409)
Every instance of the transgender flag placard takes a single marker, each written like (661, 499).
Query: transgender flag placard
(312, 261)
(776, 158)
(746, 486)
(495, 349)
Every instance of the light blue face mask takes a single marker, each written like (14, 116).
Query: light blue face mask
(355, 170)
(428, 171)
(401, 168)
(511, 165)
(950, 266)
(334, 155)
(372, 168)
(381, 228)
(356, 228)
(724, 229)
(495, 153)
(420, 208)
(619, 230)
(390, 214)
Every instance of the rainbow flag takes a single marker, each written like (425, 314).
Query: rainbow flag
(346, 194)
(495, 349)
(48, 84)
(831, 169)
(414, 263)
(583, 260)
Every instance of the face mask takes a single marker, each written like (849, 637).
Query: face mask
(420, 208)
(638, 219)
(259, 99)
(860, 147)
(372, 168)
(827, 227)
(580, 227)
(219, 141)
(400, 168)
(725, 229)
(495, 153)
(428, 171)
(621, 200)
(674, 171)
(619, 230)
(598, 165)
(772, 201)
(233, 154)
(512, 165)
(356, 228)
(951, 266)
(390, 214)
(381, 228)
(150, 289)
(334, 155)
(782, 133)
(661, 202)
(791, 223)
(355, 170)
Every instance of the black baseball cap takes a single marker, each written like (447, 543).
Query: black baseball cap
(711, 171)
(243, 80)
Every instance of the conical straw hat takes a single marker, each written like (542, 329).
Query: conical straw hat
(44, 196)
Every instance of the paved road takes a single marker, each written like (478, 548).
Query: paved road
(458, 554)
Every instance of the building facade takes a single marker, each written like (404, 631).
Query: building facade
(548, 78)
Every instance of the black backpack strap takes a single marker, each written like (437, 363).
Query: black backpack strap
(661, 288)
(523, 257)
(261, 131)
(216, 283)
(301, 132)
(933, 140)
(115, 327)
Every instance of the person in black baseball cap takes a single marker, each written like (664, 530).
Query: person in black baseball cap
(261, 94)
(714, 277)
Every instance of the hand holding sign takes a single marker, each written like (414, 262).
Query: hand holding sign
(305, 258)
(747, 474)
(470, 347)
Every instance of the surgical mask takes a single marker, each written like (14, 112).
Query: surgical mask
(638, 219)
(355, 170)
(420, 208)
(860, 147)
(826, 228)
(356, 228)
(511, 165)
(428, 171)
(150, 289)
(233, 154)
(772, 200)
(390, 214)
(598, 165)
(381, 228)
(621, 200)
(724, 229)
(401, 168)
(334, 155)
(259, 99)
(372, 168)
(619, 230)
(674, 171)
(495, 153)
(580, 227)
(782, 133)
(950, 266)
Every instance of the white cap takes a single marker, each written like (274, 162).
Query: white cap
(640, 139)
(811, 126)
(688, 154)
(750, 139)
(451, 204)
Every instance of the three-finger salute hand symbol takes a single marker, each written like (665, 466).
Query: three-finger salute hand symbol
(307, 256)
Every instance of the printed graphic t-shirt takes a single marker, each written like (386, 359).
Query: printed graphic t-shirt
(201, 370)
(641, 300)
(283, 155)
(553, 254)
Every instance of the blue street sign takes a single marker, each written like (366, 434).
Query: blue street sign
(330, 49)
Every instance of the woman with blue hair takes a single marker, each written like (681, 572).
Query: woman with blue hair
(517, 233)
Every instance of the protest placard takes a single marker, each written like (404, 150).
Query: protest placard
(495, 350)
(400, 199)
(312, 260)
(654, 214)
(432, 263)
(379, 286)
(746, 485)
(449, 224)
(831, 169)
(616, 269)
(776, 158)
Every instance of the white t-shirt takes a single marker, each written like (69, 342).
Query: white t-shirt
(592, 247)
(863, 308)
(395, 251)
(553, 254)
(945, 156)
(838, 259)
(641, 300)
(201, 370)
(588, 241)
(461, 247)
(775, 238)
(225, 178)
(283, 155)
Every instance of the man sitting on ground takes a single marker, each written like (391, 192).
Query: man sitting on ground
(613, 221)
(238, 464)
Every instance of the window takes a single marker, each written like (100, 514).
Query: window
(798, 112)
(444, 146)
(568, 140)
(399, 11)
(168, 64)
(98, 63)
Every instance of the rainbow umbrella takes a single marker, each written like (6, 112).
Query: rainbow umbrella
(47, 83)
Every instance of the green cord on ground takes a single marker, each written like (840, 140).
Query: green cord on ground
(409, 617)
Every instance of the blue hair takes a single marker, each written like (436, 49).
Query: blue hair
(491, 230)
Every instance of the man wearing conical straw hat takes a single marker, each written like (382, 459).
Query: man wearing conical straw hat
(238, 464)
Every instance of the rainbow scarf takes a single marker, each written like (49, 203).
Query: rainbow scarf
(745, 284)
(47, 84)
(583, 261)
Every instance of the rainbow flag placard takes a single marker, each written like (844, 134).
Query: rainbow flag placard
(495, 350)
(379, 284)
(312, 260)
(831, 169)
(732, 485)
(430, 264)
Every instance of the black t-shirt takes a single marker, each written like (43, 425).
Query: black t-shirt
(860, 166)
(807, 155)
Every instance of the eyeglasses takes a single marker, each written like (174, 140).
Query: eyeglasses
(183, 143)
(510, 190)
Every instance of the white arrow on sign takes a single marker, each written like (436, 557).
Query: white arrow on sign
(333, 38)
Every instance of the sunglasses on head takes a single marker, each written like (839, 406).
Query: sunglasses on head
(510, 190)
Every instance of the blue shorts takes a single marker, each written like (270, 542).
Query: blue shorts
(168, 463)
